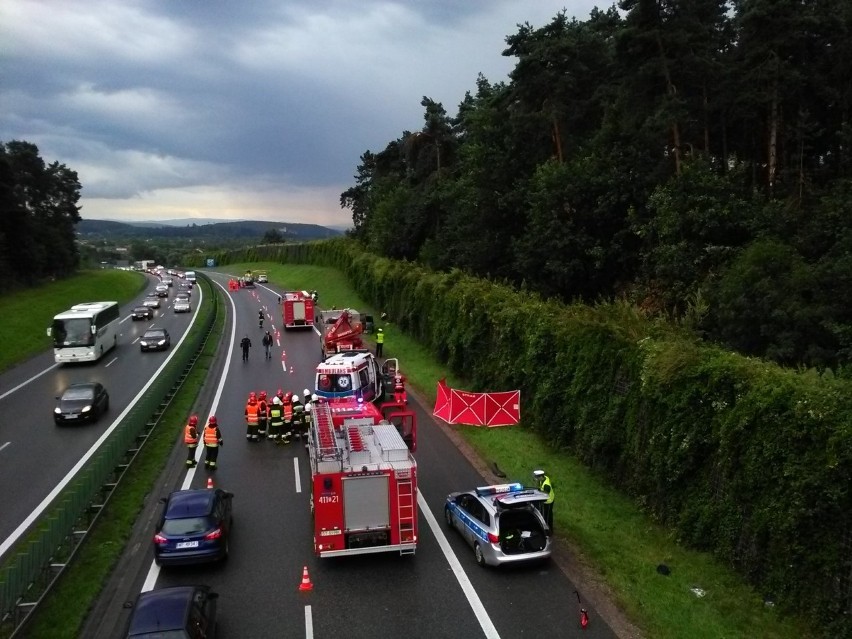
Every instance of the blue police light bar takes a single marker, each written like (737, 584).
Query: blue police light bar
(498, 489)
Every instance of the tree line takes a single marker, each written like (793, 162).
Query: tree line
(38, 213)
(691, 156)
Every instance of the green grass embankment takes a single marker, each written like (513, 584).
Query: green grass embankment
(25, 315)
(608, 529)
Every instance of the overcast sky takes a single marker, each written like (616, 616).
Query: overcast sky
(239, 109)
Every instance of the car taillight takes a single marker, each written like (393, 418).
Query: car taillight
(159, 539)
(494, 539)
(214, 534)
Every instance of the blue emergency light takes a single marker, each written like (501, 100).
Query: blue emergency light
(498, 489)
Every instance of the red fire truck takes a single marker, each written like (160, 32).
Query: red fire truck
(298, 309)
(364, 478)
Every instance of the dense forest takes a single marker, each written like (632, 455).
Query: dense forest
(38, 212)
(691, 156)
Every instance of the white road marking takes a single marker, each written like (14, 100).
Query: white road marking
(295, 470)
(469, 591)
(309, 623)
(4, 445)
(154, 570)
(31, 379)
(24, 526)
(112, 361)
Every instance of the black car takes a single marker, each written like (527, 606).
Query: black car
(81, 402)
(195, 527)
(142, 313)
(179, 612)
(155, 339)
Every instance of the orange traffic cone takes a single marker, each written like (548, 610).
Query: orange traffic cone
(306, 581)
(209, 482)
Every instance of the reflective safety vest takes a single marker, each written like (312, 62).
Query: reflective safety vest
(380, 338)
(551, 495)
(288, 412)
(190, 435)
(251, 413)
(276, 417)
(211, 435)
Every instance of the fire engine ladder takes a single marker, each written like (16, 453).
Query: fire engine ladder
(325, 442)
(407, 510)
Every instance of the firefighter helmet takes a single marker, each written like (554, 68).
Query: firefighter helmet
(212, 420)
(276, 400)
(193, 420)
(262, 395)
(306, 392)
(288, 396)
(252, 395)
(314, 397)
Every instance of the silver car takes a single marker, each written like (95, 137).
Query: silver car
(182, 306)
(502, 523)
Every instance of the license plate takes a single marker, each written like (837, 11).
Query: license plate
(71, 416)
(186, 544)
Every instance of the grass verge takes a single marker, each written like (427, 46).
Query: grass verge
(25, 315)
(607, 528)
(64, 610)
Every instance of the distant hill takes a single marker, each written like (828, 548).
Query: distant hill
(192, 229)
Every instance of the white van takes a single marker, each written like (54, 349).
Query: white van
(189, 276)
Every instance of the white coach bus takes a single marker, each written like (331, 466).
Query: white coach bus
(85, 332)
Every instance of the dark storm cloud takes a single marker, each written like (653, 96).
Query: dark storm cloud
(164, 106)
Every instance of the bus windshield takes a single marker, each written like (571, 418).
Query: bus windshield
(72, 332)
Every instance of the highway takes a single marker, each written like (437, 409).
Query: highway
(35, 454)
(439, 592)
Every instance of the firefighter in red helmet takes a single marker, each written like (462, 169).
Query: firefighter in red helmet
(262, 414)
(252, 417)
(212, 437)
(190, 438)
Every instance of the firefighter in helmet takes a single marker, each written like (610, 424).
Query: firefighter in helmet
(276, 418)
(298, 415)
(262, 413)
(190, 438)
(252, 417)
(212, 437)
(287, 430)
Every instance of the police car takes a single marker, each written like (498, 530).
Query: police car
(502, 523)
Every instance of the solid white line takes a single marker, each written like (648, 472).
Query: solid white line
(154, 570)
(63, 483)
(112, 361)
(309, 623)
(295, 470)
(4, 445)
(469, 591)
(31, 379)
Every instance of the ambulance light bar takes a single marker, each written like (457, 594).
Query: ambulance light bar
(497, 489)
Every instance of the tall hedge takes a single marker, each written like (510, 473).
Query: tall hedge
(742, 458)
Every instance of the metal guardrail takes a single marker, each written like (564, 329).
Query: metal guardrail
(35, 563)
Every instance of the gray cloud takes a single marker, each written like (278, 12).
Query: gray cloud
(226, 109)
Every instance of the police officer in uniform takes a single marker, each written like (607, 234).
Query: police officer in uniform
(380, 342)
(544, 484)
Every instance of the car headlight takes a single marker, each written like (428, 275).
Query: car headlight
(57, 410)
(161, 342)
(86, 409)
(143, 343)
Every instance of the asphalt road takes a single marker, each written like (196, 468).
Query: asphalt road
(439, 592)
(35, 454)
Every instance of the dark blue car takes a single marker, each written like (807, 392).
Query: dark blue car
(180, 612)
(195, 527)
